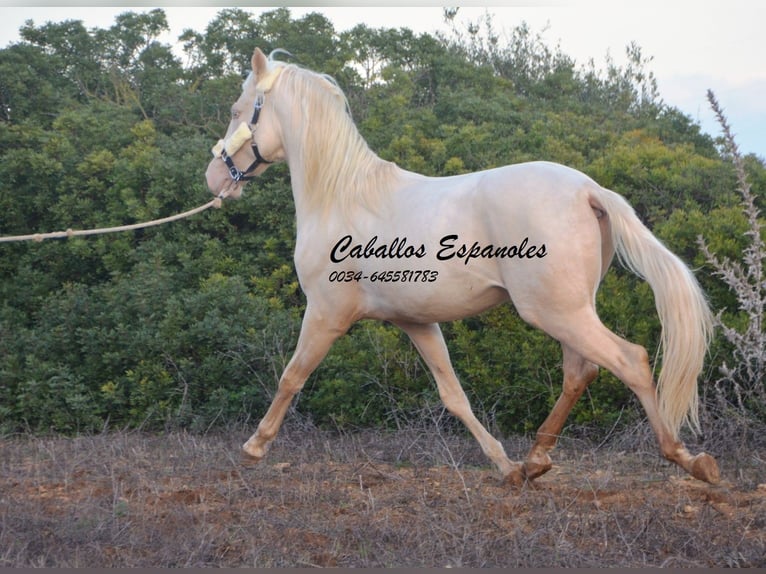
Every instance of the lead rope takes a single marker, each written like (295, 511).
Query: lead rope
(82, 232)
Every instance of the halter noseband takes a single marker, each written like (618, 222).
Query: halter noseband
(237, 174)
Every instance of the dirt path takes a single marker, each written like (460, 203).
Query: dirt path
(377, 500)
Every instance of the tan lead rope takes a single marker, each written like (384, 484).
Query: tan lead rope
(82, 232)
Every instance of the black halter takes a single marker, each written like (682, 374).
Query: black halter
(237, 174)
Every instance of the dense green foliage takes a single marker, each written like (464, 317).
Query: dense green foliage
(191, 323)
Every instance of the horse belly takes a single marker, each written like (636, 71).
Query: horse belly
(447, 298)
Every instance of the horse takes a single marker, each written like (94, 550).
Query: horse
(375, 241)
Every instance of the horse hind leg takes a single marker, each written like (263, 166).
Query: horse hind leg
(630, 363)
(578, 374)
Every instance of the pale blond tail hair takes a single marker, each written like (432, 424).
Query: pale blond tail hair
(687, 322)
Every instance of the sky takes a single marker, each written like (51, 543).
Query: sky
(694, 46)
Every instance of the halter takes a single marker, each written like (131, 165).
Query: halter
(237, 174)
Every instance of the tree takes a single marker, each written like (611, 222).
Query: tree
(190, 324)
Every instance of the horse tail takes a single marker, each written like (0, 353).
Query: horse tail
(686, 319)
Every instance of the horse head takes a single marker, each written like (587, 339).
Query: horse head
(253, 122)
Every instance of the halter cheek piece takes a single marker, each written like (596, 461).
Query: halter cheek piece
(220, 149)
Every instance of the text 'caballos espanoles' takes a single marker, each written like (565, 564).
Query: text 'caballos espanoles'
(450, 248)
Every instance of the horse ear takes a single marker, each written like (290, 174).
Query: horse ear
(259, 63)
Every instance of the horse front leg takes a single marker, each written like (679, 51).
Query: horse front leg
(429, 342)
(315, 339)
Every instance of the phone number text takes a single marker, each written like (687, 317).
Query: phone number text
(400, 276)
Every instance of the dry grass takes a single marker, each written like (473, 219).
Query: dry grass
(411, 498)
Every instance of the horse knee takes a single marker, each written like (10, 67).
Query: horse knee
(290, 383)
(455, 402)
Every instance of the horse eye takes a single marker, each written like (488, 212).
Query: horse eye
(234, 114)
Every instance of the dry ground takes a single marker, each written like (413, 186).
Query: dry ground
(410, 498)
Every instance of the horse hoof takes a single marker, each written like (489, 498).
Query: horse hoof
(516, 477)
(248, 459)
(251, 454)
(534, 469)
(704, 467)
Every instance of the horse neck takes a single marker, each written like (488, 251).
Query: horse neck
(331, 167)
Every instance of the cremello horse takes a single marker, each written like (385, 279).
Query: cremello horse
(376, 241)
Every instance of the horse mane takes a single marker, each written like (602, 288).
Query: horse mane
(339, 168)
